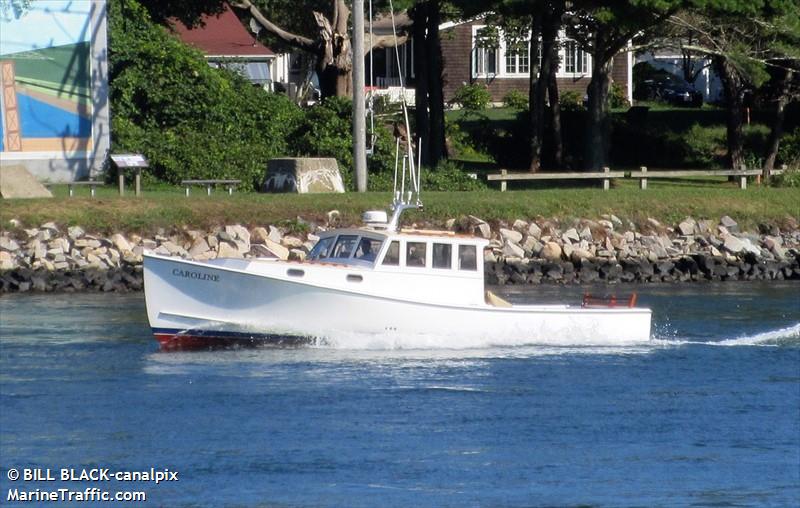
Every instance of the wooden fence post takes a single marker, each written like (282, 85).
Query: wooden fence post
(643, 180)
(606, 181)
(503, 183)
(743, 178)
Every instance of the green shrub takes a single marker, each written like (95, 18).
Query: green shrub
(707, 146)
(190, 120)
(789, 149)
(617, 98)
(571, 101)
(515, 100)
(704, 146)
(472, 97)
(326, 131)
(447, 176)
(791, 178)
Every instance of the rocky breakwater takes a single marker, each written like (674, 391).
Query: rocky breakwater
(50, 258)
(610, 251)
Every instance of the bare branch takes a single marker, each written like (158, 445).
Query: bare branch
(295, 40)
(384, 41)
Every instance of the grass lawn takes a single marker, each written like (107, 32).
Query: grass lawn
(165, 207)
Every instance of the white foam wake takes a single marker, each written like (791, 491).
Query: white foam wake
(788, 335)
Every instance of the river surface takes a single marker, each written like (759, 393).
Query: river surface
(708, 414)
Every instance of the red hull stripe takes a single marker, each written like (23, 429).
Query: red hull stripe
(171, 340)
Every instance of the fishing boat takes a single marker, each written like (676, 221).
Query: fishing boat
(379, 279)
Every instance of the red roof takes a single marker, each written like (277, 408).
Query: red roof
(222, 35)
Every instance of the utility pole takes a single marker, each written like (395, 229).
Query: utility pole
(359, 111)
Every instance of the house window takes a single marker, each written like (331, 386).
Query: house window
(485, 61)
(517, 62)
(575, 60)
(503, 62)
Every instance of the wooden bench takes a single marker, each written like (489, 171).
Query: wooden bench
(606, 175)
(643, 174)
(91, 183)
(209, 184)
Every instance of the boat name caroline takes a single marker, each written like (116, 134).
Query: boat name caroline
(195, 275)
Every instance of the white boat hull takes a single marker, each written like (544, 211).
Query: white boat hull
(193, 304)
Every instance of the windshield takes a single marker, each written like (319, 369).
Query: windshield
(322, 249)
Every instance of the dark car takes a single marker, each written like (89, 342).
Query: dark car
(669, 88)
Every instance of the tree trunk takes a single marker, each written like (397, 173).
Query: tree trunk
(555, 116)
(777, 124)
(536, 95)
(334, 56)
(732, 88)
(599, 120)
(550, 26)
(436, 146)
(421, 67)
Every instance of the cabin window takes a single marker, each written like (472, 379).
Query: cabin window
(442, 255)
(467, 257)
(367, 249)
(415, 254)
(392, 257)
(322, 249)
(344, 246)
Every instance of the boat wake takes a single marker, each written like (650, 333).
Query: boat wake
(788, 336)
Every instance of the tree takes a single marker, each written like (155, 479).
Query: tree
(750, 44)
(317, 27)
(603, 28)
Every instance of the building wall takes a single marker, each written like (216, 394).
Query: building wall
(54, 81)
(457, 52)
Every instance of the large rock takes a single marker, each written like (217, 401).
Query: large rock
(687, 227)
(226, 250)
(303, 175)
(120, 242)
(511, 249)
(8, 244)
(199, 247)
(551, 251)
(733, 244)
(258, 235)
(276, 250)
(510, 235)
(534, 230)
(728, 223)
(238, 232)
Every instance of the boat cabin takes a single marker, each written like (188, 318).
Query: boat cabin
(412, 250)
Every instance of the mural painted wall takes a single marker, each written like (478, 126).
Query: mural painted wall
(52, 106)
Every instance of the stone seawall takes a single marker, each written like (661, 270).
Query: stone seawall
(49, 258)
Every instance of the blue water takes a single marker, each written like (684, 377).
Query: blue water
(707, 415)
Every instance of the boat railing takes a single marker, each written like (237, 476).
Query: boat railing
(608, 301)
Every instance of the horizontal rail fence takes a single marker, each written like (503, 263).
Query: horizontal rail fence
(643, 175)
